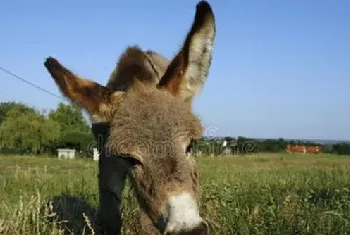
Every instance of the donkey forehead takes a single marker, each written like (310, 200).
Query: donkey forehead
(154, 117)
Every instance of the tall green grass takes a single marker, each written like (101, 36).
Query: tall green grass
(253, 194)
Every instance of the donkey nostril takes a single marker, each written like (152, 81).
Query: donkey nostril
(201, 229)
(170, 233)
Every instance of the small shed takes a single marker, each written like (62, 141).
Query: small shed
(66, 153)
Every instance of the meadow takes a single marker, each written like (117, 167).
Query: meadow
(260, 194)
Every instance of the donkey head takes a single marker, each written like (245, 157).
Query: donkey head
(151, 125)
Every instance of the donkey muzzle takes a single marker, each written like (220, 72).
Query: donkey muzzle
(182, 216)
(201, 229)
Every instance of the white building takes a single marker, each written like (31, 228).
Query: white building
(66, 153)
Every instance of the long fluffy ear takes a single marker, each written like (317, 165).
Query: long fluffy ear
(95, 98)
(188, 71)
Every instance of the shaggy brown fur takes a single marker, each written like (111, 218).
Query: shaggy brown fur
(147, 103)
(136, 64)
(154, 127)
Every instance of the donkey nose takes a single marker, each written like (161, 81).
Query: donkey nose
(183, 216)
(201, 229)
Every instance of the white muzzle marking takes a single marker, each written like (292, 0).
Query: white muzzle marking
(182, 213)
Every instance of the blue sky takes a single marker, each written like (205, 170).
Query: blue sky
(279, 69)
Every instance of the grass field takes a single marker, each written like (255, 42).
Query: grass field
(256, 194)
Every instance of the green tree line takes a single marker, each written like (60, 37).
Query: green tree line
(26, 130)
(243, 145)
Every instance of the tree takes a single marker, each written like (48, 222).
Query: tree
(70, 118)
(74, 129)
(27, 132)
(5, 107)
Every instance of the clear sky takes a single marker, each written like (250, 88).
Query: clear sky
(279, 69)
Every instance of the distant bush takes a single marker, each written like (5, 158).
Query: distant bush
(341, 149)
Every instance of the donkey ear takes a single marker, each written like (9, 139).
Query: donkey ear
(188, 71)
(93, 97)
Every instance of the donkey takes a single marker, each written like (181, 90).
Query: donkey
(144, 125)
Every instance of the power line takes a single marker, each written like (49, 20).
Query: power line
(30, 83)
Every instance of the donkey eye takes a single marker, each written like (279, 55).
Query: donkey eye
(189, 146)
(131, 161)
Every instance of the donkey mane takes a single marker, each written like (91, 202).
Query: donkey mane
(133, 64)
